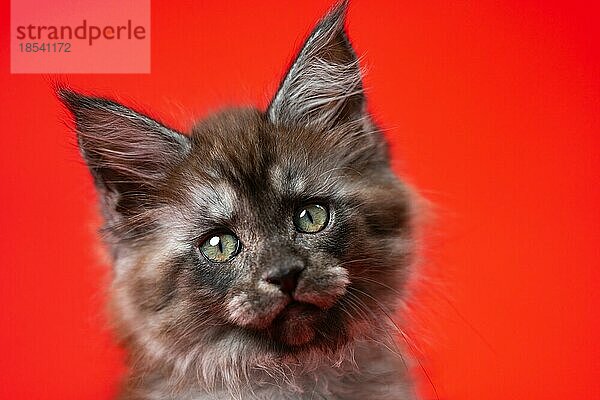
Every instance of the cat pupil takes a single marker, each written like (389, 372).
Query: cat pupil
(307, 213)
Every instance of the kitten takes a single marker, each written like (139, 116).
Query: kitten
(262, 255)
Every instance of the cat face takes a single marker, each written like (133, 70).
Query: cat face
(260, 233)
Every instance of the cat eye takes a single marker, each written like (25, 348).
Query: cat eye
(220, 247)
(311, 218)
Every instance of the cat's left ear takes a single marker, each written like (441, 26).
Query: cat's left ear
(323, 87)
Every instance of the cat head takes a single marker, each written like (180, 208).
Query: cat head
(259, 235)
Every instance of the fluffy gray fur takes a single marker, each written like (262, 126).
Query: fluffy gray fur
(195, 329)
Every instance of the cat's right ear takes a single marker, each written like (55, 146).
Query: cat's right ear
(128, 153)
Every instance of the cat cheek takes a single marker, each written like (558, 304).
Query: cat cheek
(255, 308)
(322, 288)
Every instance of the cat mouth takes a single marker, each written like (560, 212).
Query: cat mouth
(296, 324)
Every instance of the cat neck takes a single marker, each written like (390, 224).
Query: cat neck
(368, 369)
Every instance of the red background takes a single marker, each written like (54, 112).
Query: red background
(493, 112)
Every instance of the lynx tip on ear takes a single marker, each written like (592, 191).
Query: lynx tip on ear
(337, 14)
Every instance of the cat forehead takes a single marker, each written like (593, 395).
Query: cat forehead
(227, 187)
(249, 129)
(239, 155)
(242, 142)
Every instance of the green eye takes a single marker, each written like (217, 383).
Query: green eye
(220, 247)
(311, 218)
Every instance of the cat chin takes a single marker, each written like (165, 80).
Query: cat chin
(296, 325)
(292, 323)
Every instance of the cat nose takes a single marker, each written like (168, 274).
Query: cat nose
(285, 277)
